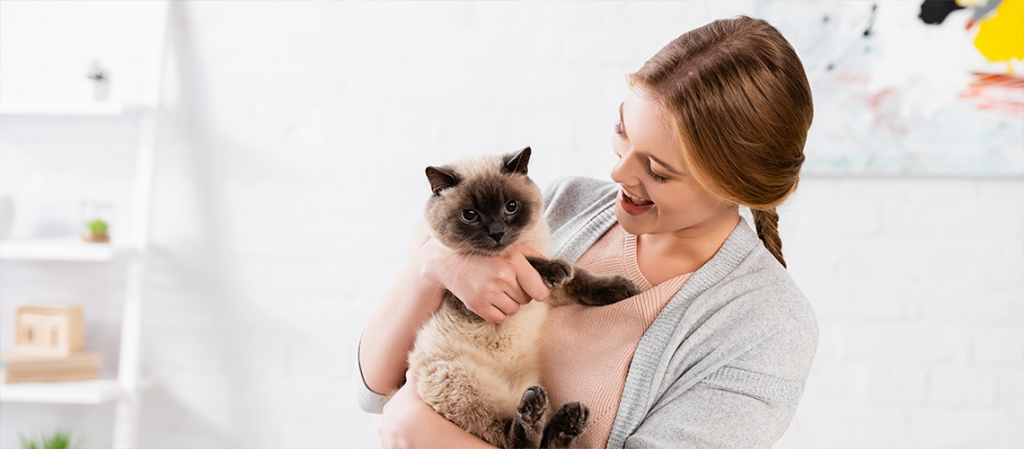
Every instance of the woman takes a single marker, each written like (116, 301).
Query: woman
(716, 349)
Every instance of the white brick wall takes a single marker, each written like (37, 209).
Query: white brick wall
(290, 175)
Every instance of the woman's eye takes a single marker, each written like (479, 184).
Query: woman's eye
(656, 177)
(619, 131)
(511, 207)
(470, 215)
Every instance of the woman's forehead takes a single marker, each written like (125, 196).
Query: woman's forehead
(649, 130)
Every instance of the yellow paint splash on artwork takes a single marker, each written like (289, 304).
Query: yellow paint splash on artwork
(1001, 36)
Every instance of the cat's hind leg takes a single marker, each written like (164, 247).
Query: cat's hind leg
(568, 423)
(527, 427)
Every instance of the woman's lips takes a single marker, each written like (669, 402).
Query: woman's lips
(632, 204)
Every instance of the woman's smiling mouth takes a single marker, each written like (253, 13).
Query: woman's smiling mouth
(632, 204)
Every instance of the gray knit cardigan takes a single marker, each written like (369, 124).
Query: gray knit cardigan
(725, 362)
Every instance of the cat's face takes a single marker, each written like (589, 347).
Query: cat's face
(484, 204)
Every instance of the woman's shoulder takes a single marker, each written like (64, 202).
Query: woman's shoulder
(761, 297)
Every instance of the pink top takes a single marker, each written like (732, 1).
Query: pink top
(586, 351)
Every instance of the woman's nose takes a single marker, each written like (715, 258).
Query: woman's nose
(623, 172)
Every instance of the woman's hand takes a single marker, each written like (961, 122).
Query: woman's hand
(408, 422)
(493, 287)
(403, 416)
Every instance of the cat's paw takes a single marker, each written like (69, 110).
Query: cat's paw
(569, 422)
(618, 288)
(532, 406)
(596, 290)
(554, 272)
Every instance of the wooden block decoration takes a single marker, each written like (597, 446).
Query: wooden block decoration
(19, 367)
(54, 331)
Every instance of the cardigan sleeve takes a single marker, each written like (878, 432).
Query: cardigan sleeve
(748, 403)
(368, 400)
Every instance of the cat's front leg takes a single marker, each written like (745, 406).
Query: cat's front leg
(575, 285)
(594, 290)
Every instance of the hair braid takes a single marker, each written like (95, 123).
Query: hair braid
(767, 223)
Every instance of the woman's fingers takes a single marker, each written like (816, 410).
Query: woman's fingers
(529, 280)
(526, 250)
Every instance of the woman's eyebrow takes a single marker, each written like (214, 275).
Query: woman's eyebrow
(622, 123)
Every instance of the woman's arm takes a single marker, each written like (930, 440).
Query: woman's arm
(409, 422)
(491, 286)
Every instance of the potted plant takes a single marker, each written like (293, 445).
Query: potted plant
(97, 232)
(96, 221)
(100, 81)
(57, 440)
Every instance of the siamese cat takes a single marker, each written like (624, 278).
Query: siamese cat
(482, 376)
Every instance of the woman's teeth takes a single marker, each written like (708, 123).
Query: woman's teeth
(636, 201)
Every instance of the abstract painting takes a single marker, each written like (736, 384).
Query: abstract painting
(932, 88)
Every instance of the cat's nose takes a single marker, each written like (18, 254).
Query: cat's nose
(496, 236)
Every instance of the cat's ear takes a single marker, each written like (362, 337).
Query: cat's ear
(441, 178)
(516, 162)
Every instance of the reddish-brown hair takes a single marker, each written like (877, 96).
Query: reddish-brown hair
(740, 105)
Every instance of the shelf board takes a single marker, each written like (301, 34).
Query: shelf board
(72, 249)
(97, 109)
(95, 391)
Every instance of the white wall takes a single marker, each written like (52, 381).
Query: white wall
(291, 154)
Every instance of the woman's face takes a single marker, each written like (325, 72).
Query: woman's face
(657, 194)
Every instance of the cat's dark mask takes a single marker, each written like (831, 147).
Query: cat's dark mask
(482, 204)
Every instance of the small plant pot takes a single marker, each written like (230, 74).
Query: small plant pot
(100, 90)
(93, 237)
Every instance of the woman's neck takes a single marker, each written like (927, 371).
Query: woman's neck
(661, 257)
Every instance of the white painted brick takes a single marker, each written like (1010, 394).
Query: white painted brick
(976, 304)
(846, 427)
(857, 300)
(962, 387)
(899, 386)
(906, 343)
(836, 383)
(960, 428)
(999, 346)
(1010, 391)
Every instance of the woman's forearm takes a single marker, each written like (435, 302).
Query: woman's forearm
(391, 330)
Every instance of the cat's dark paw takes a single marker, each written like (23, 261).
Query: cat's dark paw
(532, 405)
(618, 288)
(554, 272)
(593, 290)
(569, 422)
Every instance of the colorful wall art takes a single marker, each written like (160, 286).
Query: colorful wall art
(932, 88)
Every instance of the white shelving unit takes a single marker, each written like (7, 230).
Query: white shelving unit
(125, 389)
(81, 109)
(57, 249)
(91, 392)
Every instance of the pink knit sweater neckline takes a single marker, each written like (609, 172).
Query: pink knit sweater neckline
(586, 351)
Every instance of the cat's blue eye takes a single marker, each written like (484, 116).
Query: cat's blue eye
(511, 207)
(470, 215)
